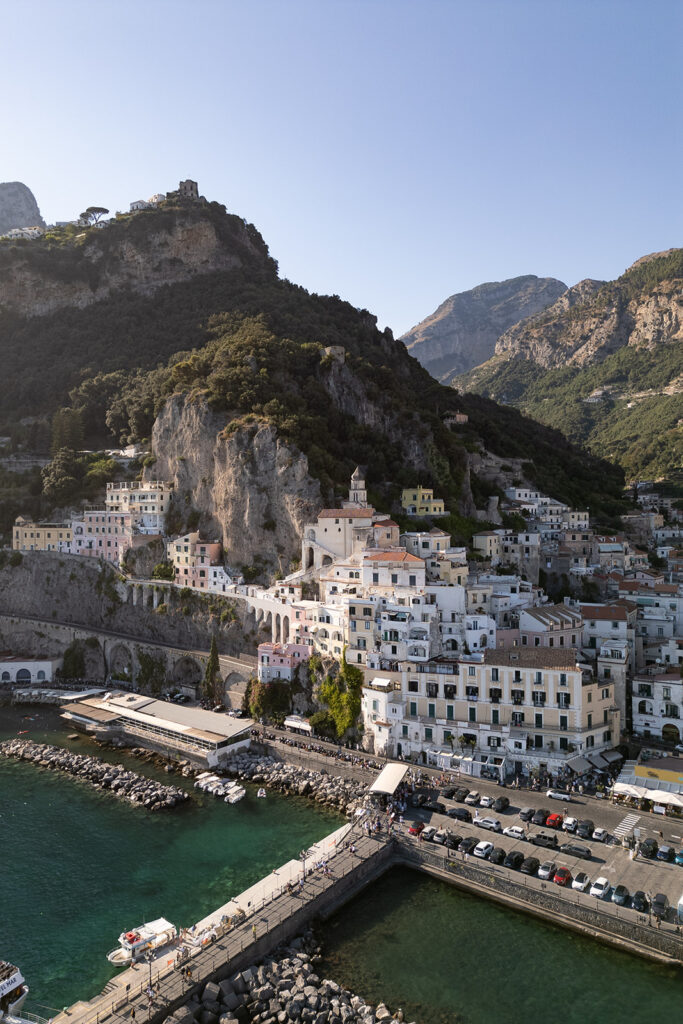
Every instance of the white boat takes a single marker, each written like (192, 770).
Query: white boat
(261, 793)
(13, 990)
(135, 943)
(235, 794)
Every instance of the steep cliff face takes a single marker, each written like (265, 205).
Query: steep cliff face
(18, 207)
(116, 257)
(463, 331)
(254, 493)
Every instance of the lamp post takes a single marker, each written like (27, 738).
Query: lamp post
(149, 957)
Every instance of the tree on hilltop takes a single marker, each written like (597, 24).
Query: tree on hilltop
(93, 214)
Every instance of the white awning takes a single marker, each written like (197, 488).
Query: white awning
(579, 764)
(389, 779)
(294, 722)
(624, 789)
(597, 760)
(669, 799)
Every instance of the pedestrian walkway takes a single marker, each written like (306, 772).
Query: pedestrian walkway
(626, 826)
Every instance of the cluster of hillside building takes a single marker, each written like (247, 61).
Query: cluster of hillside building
(464, 657)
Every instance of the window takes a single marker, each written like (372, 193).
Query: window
(471, 670)
(564, 743)
(450, 691)
(412, 686)
(538, 720)
(472, 714)
(413, 708)
(494, 675)
(564, 723)
(431, 711)
(375, 577)
(428, 734)
(404, 730)
(375, 705)
(450, 712)
(412, 581)
(495, 716)
(538, 742)
(538, 679)
(432, 689)
(605, 693)
(607, 673)
(605, 717)
(589, 721)
(666, 693)
(589, 698)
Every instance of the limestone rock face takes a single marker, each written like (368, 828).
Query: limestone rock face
(18, 207)
(463, 331)
(253, 492)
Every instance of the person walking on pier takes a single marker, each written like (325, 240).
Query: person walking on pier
(253, 931)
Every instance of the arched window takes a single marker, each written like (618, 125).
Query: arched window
(41, 675)
(5, 677)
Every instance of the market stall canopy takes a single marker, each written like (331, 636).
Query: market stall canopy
(612, 755)
(579, 764)
(389, 779)
(597, 760)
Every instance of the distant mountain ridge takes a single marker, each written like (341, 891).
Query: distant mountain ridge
(463, 331)
(18, 207)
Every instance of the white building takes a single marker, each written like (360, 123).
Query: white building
(27, 670)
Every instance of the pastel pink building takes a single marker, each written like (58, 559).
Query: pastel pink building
(192, 558)
(280, 661)
(98, 533)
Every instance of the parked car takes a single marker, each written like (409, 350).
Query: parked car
(453, 840)
(621, 896)
(563, 876)
(501, 804)
(497, 855)
(679, 857)
(449, 793)
(581, 881)
(434, 805)
(486, 801)
(569, 824)
(460, 794)
(460, 814)
(554, 821)
(492, 824)
(514, 860)
(483, 849)
(416, 828)
(527, 813)
(547, 869)
(558, 794)
(429, 832)
(660, 905)
(540, 816)
(666, 853)
(417, 799)
(440, 837)
(515, 832)
(600, 835)
(600, 887)
(576, 850)
(468, 844)
(530, 865)
(648, 849)
(472, 799)
(546, 839)
(585, 828)
(640, 902)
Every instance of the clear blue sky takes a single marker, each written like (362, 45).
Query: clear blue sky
(391, 151)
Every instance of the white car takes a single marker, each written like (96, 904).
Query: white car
(600, 835)
(600, 887)
(429, 832)
(486, 801)
(547, 869)
(483, 849)
(569, 824)
(492, 824)
(515, 832)
(581, 881)
(440, 836)
(472, 798)
(558, 794)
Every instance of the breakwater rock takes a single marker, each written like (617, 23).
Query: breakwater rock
(343, 795)
(279, 990)
(123, 783)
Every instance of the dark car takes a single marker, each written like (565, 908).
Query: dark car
(640, 902)
(666, 853)
(434, 805)
(540, 816)
(585, 828)
(452, 840)
(530, 865)
(417, 799)
(621, 896)
(576, 850)
(448, 793)
(497, 855)
(545, 839)
(468, 844)
(460, 814)
(649, 848)
(501, 804)
(660, 905)
(514, 860)
(526, 813)
(461, 793)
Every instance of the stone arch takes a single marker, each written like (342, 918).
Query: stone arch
(277, 629)
(285, 629)
(310, 535)
(327, 560)
(120, 662)
(24, 675)
(670, 733)
(187, 671)
(310, 557)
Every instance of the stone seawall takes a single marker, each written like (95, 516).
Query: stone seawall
(332, 791)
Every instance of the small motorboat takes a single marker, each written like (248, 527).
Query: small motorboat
(261, 793)
(135, 943)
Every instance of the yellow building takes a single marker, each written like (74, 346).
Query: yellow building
(28, 536)
(420, 501)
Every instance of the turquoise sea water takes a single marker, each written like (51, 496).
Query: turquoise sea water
(78, 866)
(447, 957)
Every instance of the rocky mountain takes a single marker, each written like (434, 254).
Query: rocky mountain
(604, 364)
(259, 398)
(463, 331)
(18, 207)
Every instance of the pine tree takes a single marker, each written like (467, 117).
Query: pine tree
(212, 679)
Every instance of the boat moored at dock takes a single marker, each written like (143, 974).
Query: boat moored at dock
(135, 943)
(13, 990)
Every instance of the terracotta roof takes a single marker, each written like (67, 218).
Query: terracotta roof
(390, 556)
(604, 612)
(346, 513)
(536, 657)
(385, 522)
